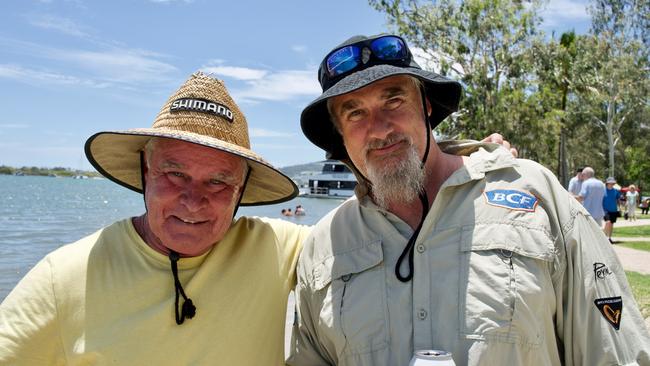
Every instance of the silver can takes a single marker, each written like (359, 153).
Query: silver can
(430, 357)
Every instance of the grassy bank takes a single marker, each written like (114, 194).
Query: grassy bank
(641, 289)
(638, 245)
(632, 231)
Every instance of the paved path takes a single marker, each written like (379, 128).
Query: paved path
(632, 259)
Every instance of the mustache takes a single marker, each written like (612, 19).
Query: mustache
(389, 140)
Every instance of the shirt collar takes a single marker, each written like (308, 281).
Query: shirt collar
(483, 157)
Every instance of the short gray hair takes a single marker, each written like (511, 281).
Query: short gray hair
(588, 172)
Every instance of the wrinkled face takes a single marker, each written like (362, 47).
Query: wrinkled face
(381, 122)
(191, 193)
(383, 130)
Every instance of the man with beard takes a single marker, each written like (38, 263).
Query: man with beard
(487, 257)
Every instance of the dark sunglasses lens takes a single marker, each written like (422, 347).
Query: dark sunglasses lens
(388, 48)
(343, 60)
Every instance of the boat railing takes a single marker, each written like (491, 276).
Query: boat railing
(319, 190)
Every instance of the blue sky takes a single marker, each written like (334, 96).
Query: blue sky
(70, 68)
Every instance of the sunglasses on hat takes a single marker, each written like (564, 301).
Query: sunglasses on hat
(357, 56)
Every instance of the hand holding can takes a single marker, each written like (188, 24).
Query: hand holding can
(431, 358)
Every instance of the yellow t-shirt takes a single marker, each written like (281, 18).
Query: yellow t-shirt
(108, 299)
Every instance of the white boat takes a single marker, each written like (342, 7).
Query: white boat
(335, 181)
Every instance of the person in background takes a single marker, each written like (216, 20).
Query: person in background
(300, 211)
(591, 195)
(610, 206)
(575, 184)
(485, 256)
(632, 200)
(184, 283)
(645, 206)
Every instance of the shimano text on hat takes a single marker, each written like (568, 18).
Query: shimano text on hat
(201, 105)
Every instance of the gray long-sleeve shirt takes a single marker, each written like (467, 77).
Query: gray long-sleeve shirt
(509, 269)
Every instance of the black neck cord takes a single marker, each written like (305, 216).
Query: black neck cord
(142, 179)
(241, 195)
(424, 199)
(411, 243)
(188, 310)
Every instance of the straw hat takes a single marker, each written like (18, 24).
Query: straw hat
(200, 112)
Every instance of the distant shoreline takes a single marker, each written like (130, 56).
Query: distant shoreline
(47, 172)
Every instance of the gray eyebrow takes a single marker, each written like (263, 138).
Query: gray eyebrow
(347, 105)
(386, 94)
(227, 178)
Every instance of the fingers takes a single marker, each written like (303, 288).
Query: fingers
(497, 138)
(494, 138)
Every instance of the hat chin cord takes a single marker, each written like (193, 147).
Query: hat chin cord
(424, 199)
(188, 310)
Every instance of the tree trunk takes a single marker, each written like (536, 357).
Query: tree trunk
(562, 165)
(609, 126)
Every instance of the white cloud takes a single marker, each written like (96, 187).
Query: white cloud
(22, 74)
(13, 125)
(53, 22)
(260, 132)
(299, 48)
(171, 1)
(281, 86)
(120, 65)
(564, 11)
(239, 73)
(106, 65)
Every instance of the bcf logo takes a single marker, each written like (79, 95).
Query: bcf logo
(512, 199)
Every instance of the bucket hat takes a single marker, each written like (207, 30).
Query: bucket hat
(201, 112)
(610, 180)
(443, 94)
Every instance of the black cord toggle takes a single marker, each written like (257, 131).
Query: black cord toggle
(188, 310)
(424, 199)
(408, 250)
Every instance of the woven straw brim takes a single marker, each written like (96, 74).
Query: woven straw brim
(443, 94)
(116, 155)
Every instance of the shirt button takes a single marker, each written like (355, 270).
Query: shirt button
(422, 314)
(420, 248)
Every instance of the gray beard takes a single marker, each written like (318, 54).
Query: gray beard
(401, 182)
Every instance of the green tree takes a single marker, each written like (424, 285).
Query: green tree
(555, 85)
(6, 169)
(618, 69)
(485, 45)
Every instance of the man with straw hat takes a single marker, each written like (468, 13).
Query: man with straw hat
(183, 284)
(487, 257)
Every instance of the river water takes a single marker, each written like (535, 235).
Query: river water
(39, 214)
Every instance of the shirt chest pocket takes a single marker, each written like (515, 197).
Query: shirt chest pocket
(357, 314)
(505, 288)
